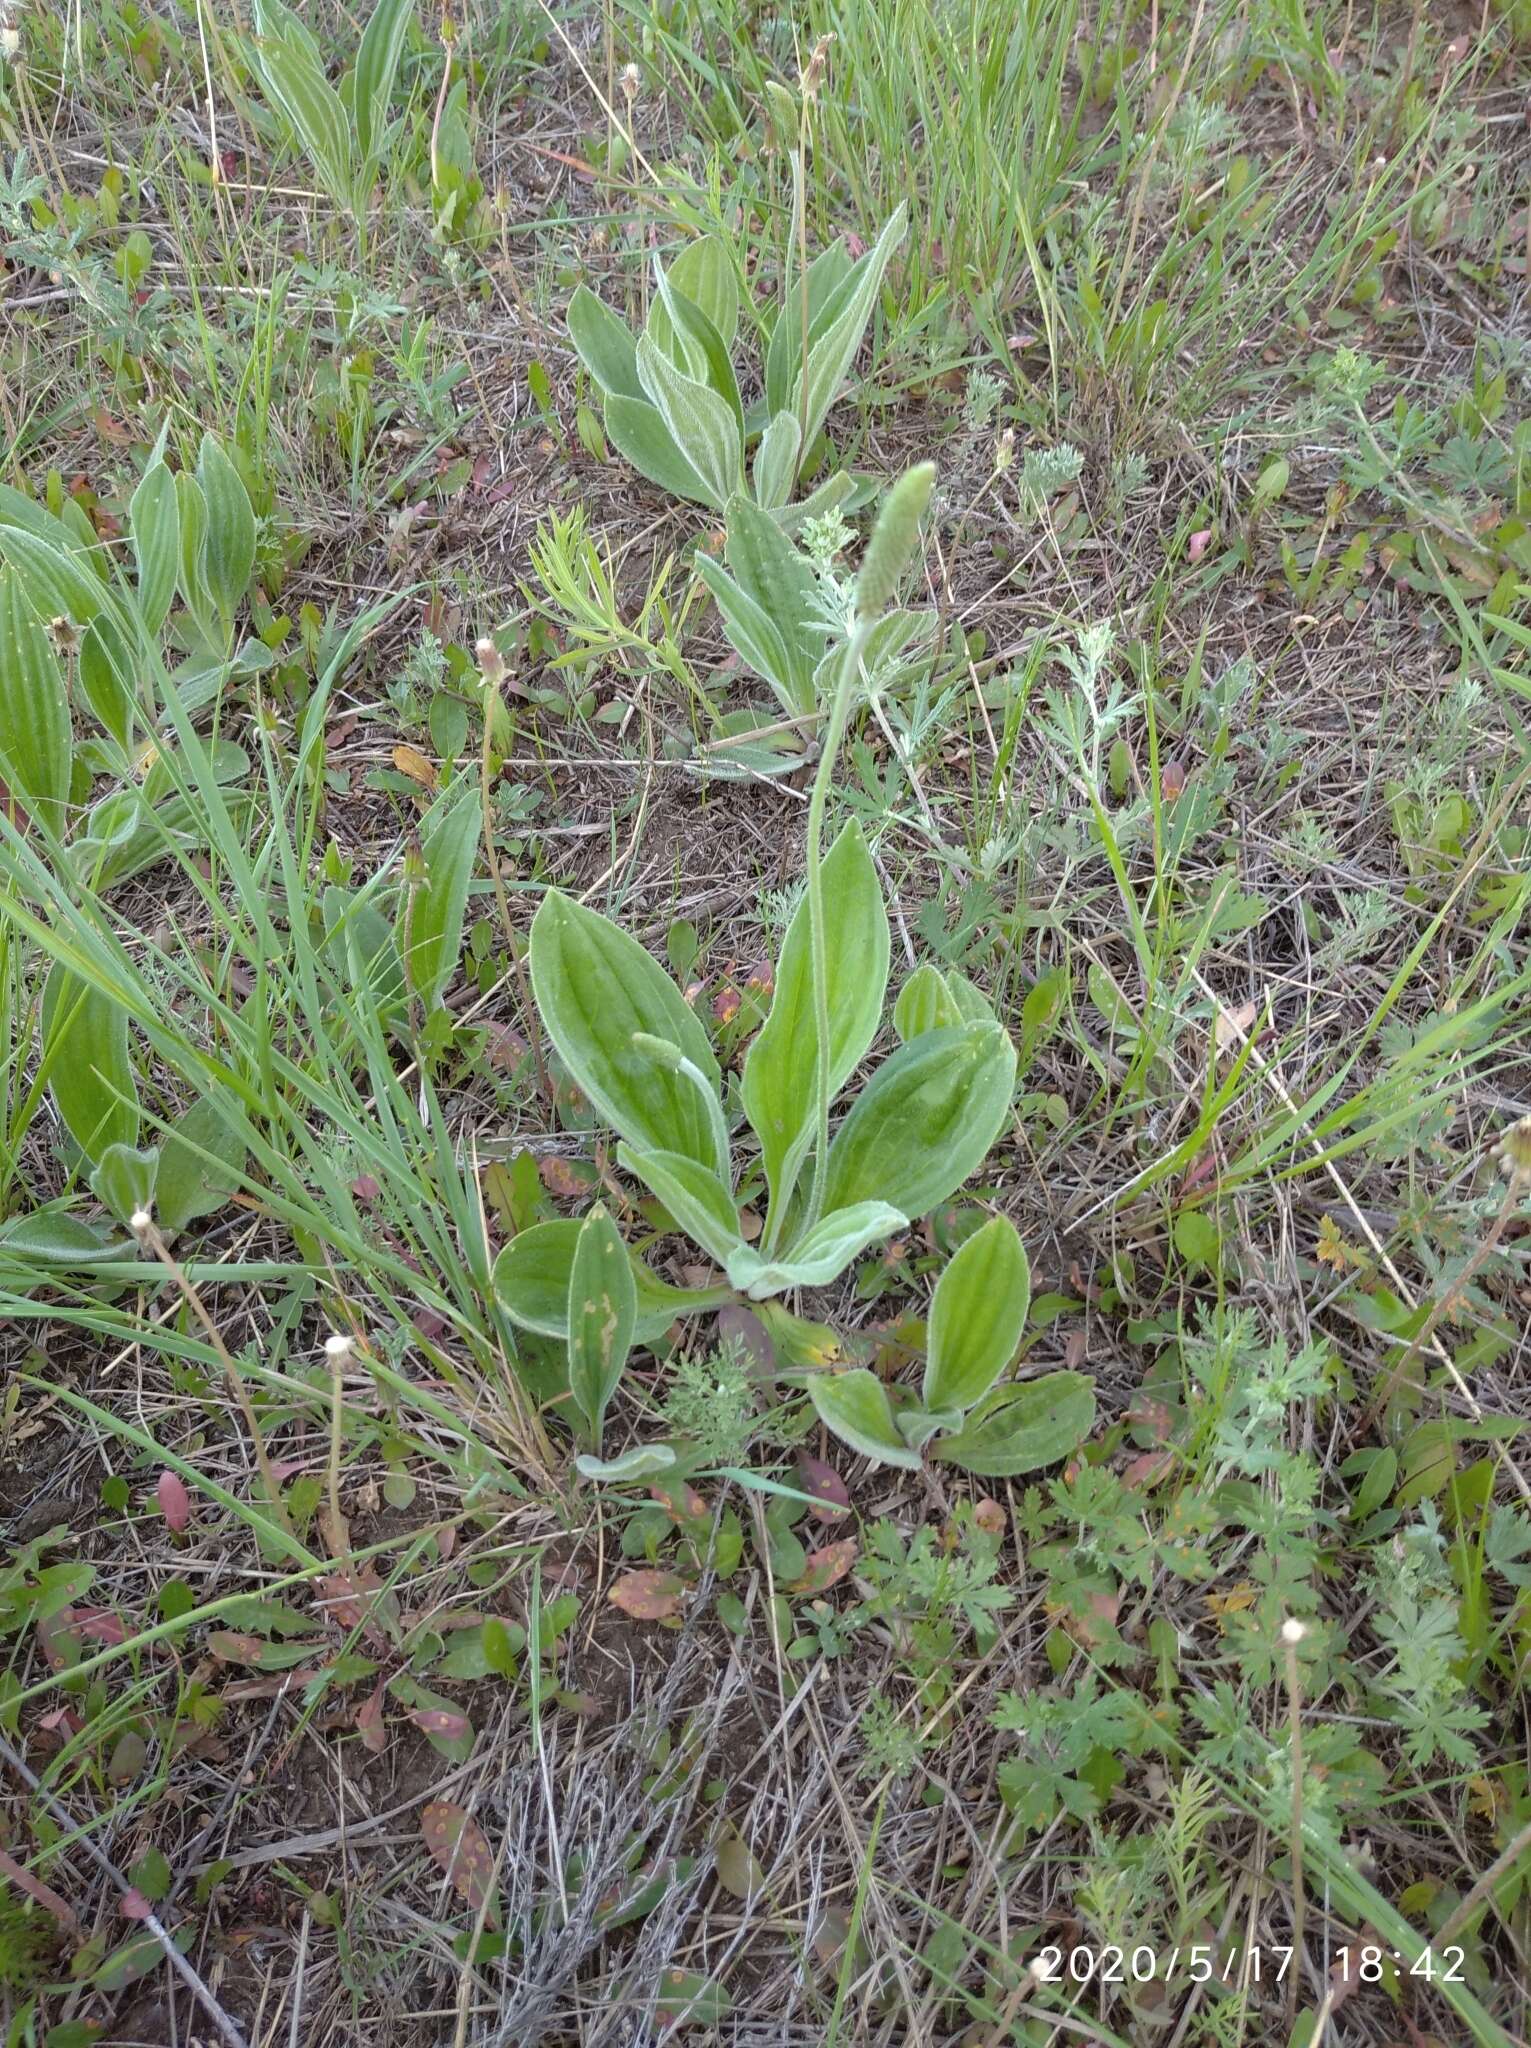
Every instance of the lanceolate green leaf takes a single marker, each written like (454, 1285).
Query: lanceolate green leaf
(971, 1004)
(154, 521)
(694, 1196)
(704, 271)
(434, 920)
(770, 569)
(202, 1158)
(776, 460)
(605, 346)
(36, 739)
(699, 422)
(124, 1179)
(638, 431)
(784, 363)
(819, 1256)
(924, 1121)
(976, 1316)
(779, 1069)
(57, 579)
(192, 507)
(1022, 1428)
(531, 1283)
(230, 552)
(603, 1316)
(90, 1068)
(754, 635)
(705, 354)
(854, 1406)
(377, 64)
(288, 62)
(643, 1461)
(831, 355)
(103, 671)
(595, 988)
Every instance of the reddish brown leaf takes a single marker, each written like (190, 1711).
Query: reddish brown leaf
(742, 1328)
(44, 1894)
(174, 1500)
(682, 1503)
(60, 1645)
(232, 1647)
(826, 1567)
(356, 1599)
(459, 1846)
(1148, 1470)
(98, 1624)
(440, 1721)
(648, 1595)
(369, 1722)
(559, 1177)
(826, 1486)
(1145, 1412)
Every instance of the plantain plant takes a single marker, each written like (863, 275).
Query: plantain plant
(977, 1316)
(913, 1133)
(671, 394)
(346, 133)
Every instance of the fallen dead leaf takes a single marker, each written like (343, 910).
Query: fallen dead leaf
(461, 1849)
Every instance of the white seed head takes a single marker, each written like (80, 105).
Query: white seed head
(139, 1222)
(1514, 1151)
(1042, 1969)
(632, 78)
(337, 1347)
(10, 42)
(1292, 1631)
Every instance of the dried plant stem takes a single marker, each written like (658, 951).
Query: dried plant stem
(147, 1234)
(1292, 1633)
(491, 665)
(151, 1922)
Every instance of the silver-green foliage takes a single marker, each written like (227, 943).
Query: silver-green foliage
(671, 394)
(345, 133)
